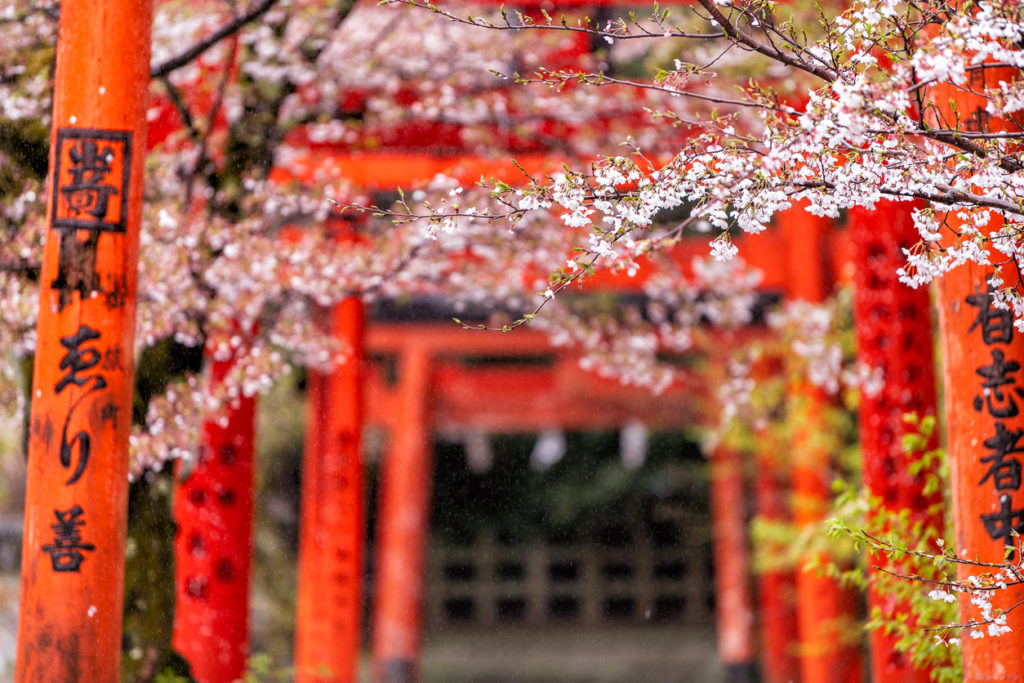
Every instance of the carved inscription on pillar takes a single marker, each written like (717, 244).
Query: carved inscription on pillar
(90, 197)
(1000, 393)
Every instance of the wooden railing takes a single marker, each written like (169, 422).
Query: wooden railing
(488, 583)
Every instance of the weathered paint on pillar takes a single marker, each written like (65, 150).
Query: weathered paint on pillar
(982, 355)
(826, 613)
(72, 582)
(213, 509)
(894, 341)
(402, 535)
(733, 602)
(328, 627)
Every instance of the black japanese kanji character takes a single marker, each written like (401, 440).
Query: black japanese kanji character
(996, 323)
(66, 550)
(997, 375)
(1004, 471)
(88, 192)
(77, 360)
(89, 198)
(75, 363)
(1002, 524)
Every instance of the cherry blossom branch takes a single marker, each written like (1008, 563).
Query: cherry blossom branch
(562, 281)
(601, 79)
(622, 32)
(886, 546)
(729, 30)
(980, 588)
(745, 39)
(959, 141)
(974, 623)
(228, 29)
(409, 216)
(813, 64)
(951, 196)
(941, 134)
(182, 108)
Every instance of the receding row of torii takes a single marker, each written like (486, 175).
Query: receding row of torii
(73, 557)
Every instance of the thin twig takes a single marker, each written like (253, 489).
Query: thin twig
(209, 41)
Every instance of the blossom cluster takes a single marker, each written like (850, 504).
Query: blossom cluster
(862, 115)
(239, 242)
(980, 590)
(240, 254)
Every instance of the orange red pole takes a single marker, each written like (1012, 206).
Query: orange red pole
(734, 604)
(825, 611)
(827, 624)
(328, 627)
(894, 331)
(982, 356)
(776, 594)
(213, 509)
(402, 533)
(776, 586)
(72, 581)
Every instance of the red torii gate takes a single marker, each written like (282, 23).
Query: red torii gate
(395, 169)
(589, 3)
(400, 169)
(438, 391)
(825, 610)
(397, 612)
(496, 399)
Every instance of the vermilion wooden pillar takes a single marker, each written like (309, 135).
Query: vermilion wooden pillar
(776, 587)
(733, 602)
(982, 356)
(894, 339)
(776, 590)
(331, 534)
(826, 613)
(75, 512)
(402, 533)
(213, 509)
(827, 620)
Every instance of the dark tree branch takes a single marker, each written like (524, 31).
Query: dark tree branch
(563, 25)
(600, 79)
(746, 40)
(209, 41)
